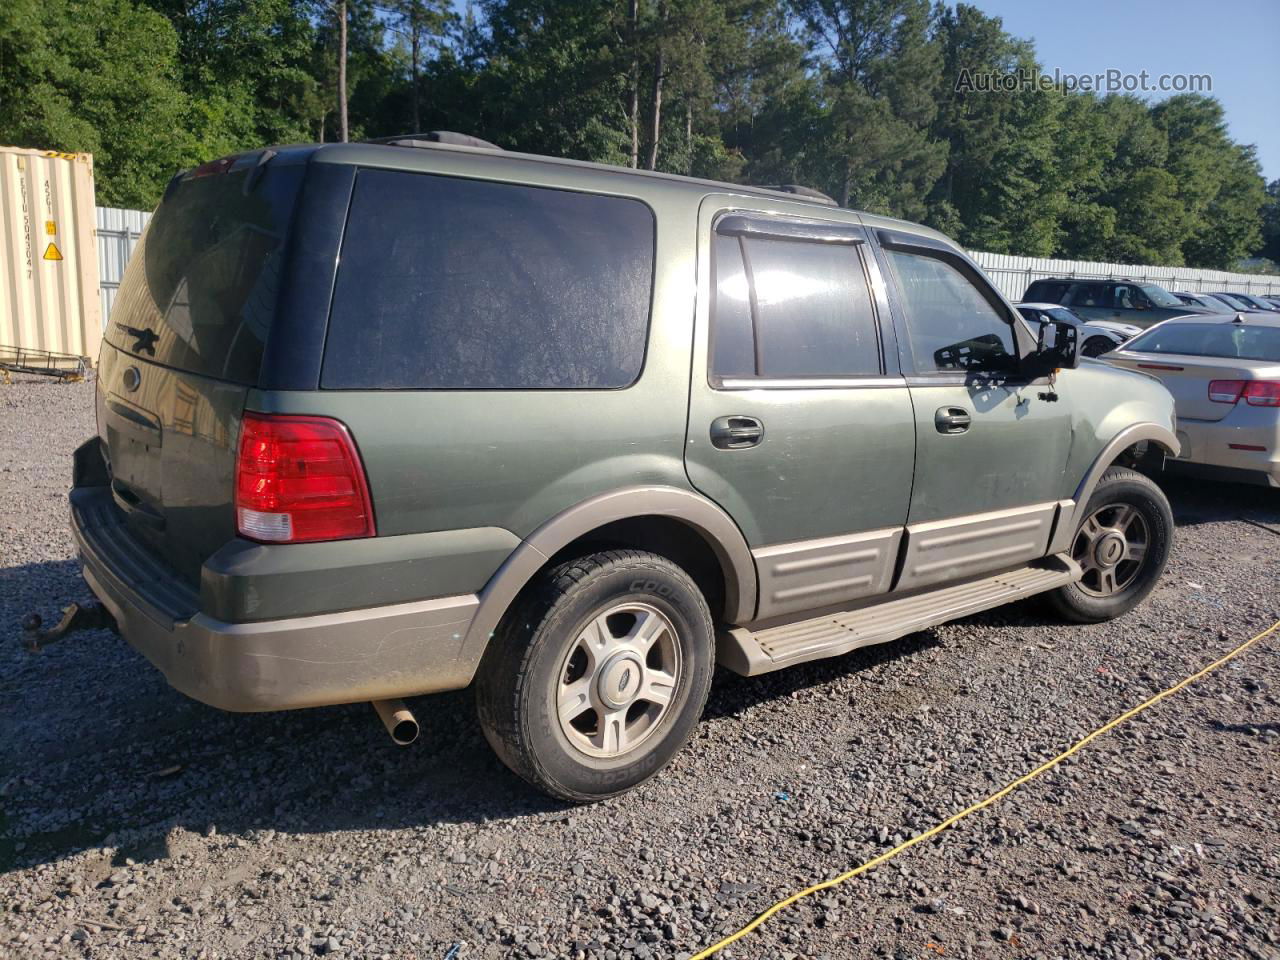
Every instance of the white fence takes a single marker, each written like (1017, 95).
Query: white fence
(1014, 274)
(118, 231)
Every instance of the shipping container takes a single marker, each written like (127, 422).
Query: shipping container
(49, 296)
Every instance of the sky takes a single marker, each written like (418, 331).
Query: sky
(1236, 42)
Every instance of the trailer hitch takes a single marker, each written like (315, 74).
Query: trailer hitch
(74, 618)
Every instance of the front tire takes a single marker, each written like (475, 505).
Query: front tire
(598, 674)
(1122, 546)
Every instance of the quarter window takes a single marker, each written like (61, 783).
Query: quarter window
(791, 309)
(952, 325)
(449, 283)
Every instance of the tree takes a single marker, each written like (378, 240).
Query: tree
(98, 76)
(881, 71)
(1218, 182)
(1270, 248)
(999, 191)
(422, 24)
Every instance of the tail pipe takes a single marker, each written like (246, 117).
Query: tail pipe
(398, 719)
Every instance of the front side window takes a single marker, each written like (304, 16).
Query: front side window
(952, 326)
(790, 309)
(1159, 295)
(448, 283)
(1126, 296)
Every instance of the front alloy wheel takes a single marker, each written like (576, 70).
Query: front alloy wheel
(1110, 548)
(1121, 547)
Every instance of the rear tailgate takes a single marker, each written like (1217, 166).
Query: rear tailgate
(184, 347)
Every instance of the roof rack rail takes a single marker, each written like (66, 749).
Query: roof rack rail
(805, 193)
(433, 137)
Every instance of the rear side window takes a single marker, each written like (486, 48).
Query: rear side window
(791, 308)
(1091, 295)
(446, 283)
(1047, 291)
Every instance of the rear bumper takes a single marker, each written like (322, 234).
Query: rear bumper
(368, 654)
(1229, 446)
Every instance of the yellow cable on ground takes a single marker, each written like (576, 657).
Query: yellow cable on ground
(981, 804)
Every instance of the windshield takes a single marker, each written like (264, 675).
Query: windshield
(1232, 301)
(1236, 341)
(1160, 296)
(1065, 315)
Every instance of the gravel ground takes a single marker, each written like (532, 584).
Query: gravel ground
(135, 822)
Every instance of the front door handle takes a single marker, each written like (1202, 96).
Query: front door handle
(736, 433)
(952, 420)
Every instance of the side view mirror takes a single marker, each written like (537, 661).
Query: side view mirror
(1057, 347)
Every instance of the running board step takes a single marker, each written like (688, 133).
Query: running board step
(749, 652)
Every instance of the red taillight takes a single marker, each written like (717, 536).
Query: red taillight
(300, 479)
(1256, 393)
(1225, 391)
(1262, 393)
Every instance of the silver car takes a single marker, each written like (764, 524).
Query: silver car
(1224, 374)
(1096, 336)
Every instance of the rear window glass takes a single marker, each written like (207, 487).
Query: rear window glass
(1237, 341)
(447, 283)
(200, 290)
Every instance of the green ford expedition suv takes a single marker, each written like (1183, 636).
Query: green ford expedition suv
(378, 420)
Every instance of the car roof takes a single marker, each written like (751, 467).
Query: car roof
(1091, 280)
(411, 154)
(1043, 306)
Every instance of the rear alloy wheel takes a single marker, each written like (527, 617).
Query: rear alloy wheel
(1122, 547)
(618, 679)
(598, 674)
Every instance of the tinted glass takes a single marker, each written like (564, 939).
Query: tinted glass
(952, 325)
(733, 352)
(1047, 291)
(1125, 296)
(1091, 295)
(812, 310)
(199, 292)
(1232, 340)
(460, 284)
(1159, 295)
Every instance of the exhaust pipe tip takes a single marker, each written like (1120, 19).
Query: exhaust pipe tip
(399, 721)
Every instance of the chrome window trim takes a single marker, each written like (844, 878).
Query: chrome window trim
(808, 383)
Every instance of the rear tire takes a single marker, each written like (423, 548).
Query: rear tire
(598, 674)
(1097, 346)
(1122, 545)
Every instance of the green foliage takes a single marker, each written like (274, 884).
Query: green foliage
(856, 97)
(97, 76)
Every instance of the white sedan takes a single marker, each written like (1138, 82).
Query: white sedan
(1224, 374)
(1096, 336)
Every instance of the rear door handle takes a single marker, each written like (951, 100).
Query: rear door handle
(736, 433)
(952, 420)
